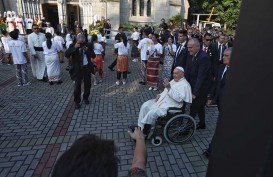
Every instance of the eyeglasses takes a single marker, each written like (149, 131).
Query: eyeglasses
(35, 28)
(208, 39)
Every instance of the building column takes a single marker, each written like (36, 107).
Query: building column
(62, 11)
(86, 12)
(145, 8)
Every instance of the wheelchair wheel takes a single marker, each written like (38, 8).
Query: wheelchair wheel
(179, 129)
(156, 141)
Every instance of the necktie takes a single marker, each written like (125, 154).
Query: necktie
(193, 59)
(220, 52)
(178, 50)
(205, 49)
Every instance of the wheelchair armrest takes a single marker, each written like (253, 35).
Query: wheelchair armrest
(174, 110)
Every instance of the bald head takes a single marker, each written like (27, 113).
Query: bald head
(193, 46)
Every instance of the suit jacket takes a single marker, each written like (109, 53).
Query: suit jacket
(77, 59)
(198, 73)
(215, 53)
(229, 45)
(175, 38)
(59, 28)
(107, 25)
(117, 38)
(208, 49)
(218, 86)
(181, 57)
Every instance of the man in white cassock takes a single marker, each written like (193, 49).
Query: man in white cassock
(176, 91)
(37, 59)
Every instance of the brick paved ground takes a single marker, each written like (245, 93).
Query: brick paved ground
(39, 122)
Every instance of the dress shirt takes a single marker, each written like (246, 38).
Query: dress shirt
(225, 70)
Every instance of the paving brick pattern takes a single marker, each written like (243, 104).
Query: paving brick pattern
(39, 122)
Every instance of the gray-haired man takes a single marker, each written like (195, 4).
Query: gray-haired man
(81, 53)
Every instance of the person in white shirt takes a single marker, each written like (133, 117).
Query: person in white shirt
(60, 40)
(146, 48)
(122, 61)
(37, 59)
(68, 37)
(20, 24)
(98, 49)
(49, 29)
(175, 93)
(135, 39)
(10, 21)
(102, 40)
(20, 37)
(19, 52)
(153, 64)
(5, 38)
(51, 49)
(29, 23)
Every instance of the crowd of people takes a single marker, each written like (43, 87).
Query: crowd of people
(194, 68)
(193, 64)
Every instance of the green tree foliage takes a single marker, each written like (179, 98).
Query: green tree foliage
(176, 20)
(196, 6)
(228, 10)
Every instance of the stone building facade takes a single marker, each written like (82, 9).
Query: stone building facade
(88, 11)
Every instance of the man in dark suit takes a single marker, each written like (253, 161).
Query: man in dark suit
(117, 39)
(218, 88)
(82, 67)
(76, 25)
(62, 28)
(182, 51)
(228, 43)
(206, 44)
(174, 34)
(217, 51)
(198, 75)
(107, 26)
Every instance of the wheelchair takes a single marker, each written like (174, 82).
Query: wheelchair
(176, 127)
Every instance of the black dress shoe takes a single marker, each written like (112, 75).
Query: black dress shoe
(86, 101)
(59, 82)
(45, 79)
(111, 69)
(199, 126)
(142, 83)
(77, 106)
(206, 153)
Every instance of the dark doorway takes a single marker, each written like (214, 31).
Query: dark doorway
(51, 14)
(72, 15)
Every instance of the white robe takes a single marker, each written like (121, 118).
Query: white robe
(60, 41)
(180, 91)
(38, 65)
(10, 25)
(50, 30)
(29, 23)
(20, 25)
(52, 61)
